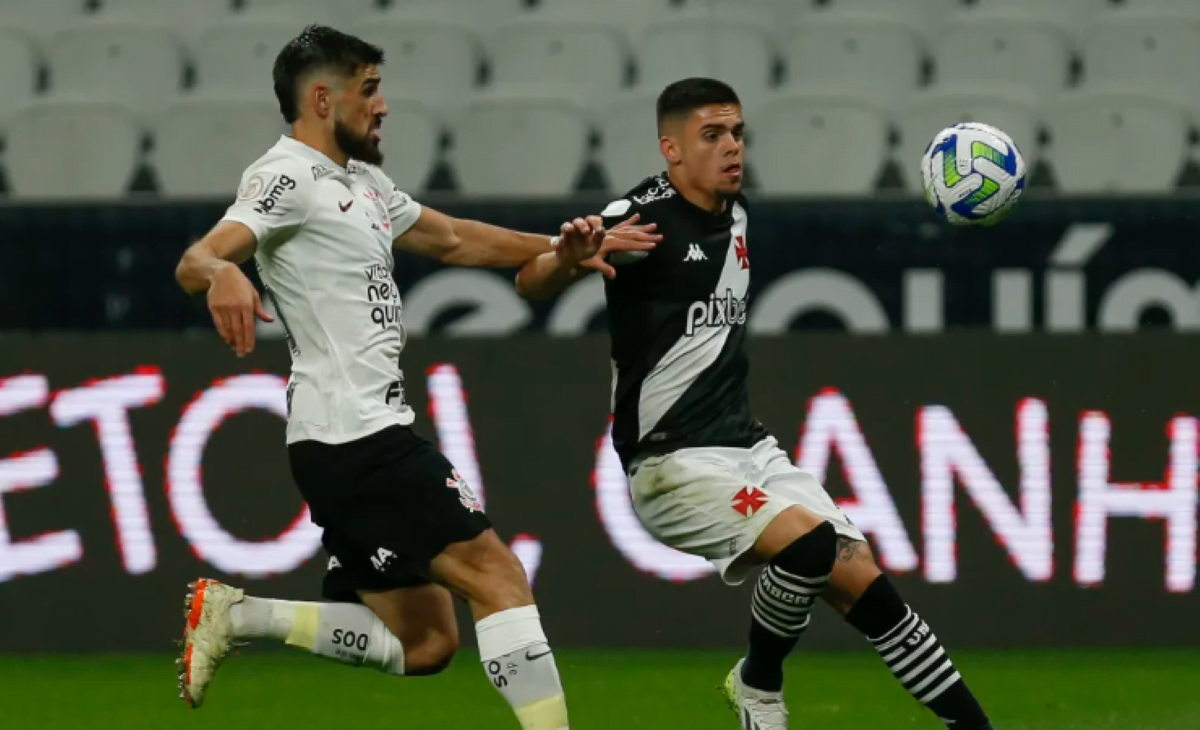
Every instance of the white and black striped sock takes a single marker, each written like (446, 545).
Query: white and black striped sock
(782, 601)
(917, 659)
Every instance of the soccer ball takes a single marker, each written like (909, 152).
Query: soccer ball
(973, 174)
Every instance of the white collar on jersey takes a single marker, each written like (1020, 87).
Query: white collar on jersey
(322, 165)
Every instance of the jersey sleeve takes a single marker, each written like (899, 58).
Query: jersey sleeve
(274, 197)
(617, 212)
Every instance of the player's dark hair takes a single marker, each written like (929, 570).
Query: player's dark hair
(683, 97)
(318, 47)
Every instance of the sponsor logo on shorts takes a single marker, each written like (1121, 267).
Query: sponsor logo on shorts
(749, 500)
(465, 494)
(381, 558)
(333, 563)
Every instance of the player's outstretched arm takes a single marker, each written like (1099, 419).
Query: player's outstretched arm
(576, 255)
(211, 265)
(459, 242)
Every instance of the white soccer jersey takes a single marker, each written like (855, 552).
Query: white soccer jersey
(324, 253)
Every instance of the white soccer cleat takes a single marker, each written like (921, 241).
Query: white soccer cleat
(756, 709)
(207, 636)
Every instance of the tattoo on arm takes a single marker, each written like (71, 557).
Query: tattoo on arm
(847, 548)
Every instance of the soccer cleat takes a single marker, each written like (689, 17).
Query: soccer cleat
(756, 709)
(207, 636)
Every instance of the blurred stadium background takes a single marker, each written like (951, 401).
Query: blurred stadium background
(1009, 413)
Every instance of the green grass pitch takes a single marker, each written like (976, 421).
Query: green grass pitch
(606, 690)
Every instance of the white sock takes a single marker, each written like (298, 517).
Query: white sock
(344, 631)
(518, 660)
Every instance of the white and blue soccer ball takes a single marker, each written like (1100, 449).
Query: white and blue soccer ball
(973, 174)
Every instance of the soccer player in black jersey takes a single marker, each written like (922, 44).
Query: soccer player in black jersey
(705, 476)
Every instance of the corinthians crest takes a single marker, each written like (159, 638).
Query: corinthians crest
(465, 494)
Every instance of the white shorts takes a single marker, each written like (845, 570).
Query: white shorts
(714, 502)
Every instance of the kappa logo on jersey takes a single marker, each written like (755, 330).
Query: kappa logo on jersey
(749, 500)
(695, 253)
(465, 494)
(742, 253)
(274, 191)
(320, 171)
(662, 192)
(718, 311)
(381, 558)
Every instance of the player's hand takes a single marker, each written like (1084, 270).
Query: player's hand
(234, 303)
(586, 243)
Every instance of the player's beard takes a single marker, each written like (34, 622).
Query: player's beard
(364, 148)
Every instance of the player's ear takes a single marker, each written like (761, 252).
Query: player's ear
(670, 150)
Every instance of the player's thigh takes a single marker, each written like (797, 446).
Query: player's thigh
(705, 502)
(421, 617)
(810, 503)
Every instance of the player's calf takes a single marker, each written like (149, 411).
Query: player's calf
(911, 651)
(512, 645)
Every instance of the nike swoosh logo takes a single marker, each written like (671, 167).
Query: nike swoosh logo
(530, 657)
(346, 207)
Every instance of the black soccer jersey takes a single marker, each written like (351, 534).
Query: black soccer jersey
(677, 319)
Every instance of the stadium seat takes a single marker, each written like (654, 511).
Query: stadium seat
(482, 15)
(202, 145)
(305, 12)
(870, 55)
(71, 149)
(775, 13)
(1117, 142)
(817, 143)
(235, 57)
(18, 71)
(629, 142)
(993, 48)
(180, 14)
(739, 53)
(580, 60)
(138, 65)
(925, 17)
(628, 16)
(434, 60)
(1151, 51)
(1071, 16)
(1010, 109)
(41, 18)
(411, 139)
(519, 146)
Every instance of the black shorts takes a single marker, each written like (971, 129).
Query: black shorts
(389, 503)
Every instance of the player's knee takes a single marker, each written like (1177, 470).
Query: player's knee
(810, 555)
(431, 655)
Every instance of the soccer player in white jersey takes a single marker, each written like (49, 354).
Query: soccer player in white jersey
(402, 528)
(705, 476)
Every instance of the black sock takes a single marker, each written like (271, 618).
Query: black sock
(915, 656)
(783, 598)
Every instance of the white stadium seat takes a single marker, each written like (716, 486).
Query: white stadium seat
(579, 60)
(411, 135)
(869, 55)
(992, 48)
(1012, 110)
(434, 60)
(519, 147)
(202, 144)
(1152, 51)
(925, 17)
(818, 144)
(482, 15)
(629, 138)
(305, 12)
(140, 66)
(180, 14)
(18, 71)
(774, 13)
(236, 57)
(629, 16)
(1173, 6)
(41, 18)
(94, 144)
(739, 53)
(1117, 142)
(1071, 16)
